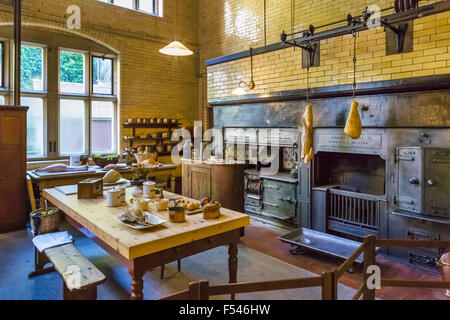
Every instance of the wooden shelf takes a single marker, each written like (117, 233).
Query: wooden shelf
(150, 126)
(170, 127)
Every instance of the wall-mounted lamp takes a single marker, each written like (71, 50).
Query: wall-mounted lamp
(240, 90)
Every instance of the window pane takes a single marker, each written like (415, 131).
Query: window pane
(32, 68)
(2, 100)
(72, 75)
(124, 3)
(102, 127)
(35, 126)
(102, 75)
(146, 5)
(72, 126)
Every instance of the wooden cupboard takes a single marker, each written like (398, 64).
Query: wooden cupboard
(221, 182)
(13, 155)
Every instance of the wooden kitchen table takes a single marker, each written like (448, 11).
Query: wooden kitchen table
(140, 251)
(69, 178)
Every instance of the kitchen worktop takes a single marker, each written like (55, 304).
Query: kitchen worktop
(214, 163)
(92, 171)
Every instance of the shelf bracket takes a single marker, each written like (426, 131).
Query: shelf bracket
(311, 49)
(400, 32)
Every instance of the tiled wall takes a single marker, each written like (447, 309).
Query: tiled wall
(151, 84)
(281, 70)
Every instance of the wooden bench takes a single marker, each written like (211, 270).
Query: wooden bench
(80, 276)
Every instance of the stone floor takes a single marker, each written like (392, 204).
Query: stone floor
(16, 256)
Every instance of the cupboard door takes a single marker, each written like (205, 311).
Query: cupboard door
(200, 182)
(186, 182)
(12, 209)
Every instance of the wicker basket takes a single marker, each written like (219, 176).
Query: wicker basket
(104, 161)
(44, 224)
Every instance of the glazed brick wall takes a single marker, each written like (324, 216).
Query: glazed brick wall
(150, 84)
(281, 70)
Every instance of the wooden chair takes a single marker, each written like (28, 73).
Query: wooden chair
(31, 196)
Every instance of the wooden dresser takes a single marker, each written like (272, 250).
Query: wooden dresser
(13, 157)
(221, 182)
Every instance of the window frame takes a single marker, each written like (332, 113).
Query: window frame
(157, 5)
(115, 125)
(44, 67)
(4, 90)
(86, 73)
(52, 101)
(87, 131)
(3, 64)
(113, 86)
(45, 125)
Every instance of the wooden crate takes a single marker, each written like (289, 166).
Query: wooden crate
(90, 188)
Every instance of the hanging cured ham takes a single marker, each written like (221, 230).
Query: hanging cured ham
(353, 128)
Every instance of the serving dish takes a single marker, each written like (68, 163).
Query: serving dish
(154, 221)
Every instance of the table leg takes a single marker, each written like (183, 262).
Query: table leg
(137, 284)
(233, 264)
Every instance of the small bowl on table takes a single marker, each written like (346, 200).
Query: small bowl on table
(161, 204)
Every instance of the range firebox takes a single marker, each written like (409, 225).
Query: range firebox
(349, 184)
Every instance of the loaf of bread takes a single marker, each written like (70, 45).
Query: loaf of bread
(212, 210)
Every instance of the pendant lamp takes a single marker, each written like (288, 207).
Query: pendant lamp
(176, 48)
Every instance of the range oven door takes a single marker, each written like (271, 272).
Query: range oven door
(409, 184)
(437, 182)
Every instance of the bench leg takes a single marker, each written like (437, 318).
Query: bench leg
(40, 260)
(86, 294)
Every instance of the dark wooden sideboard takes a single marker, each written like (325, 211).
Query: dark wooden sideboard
(13, 155)
(223, 182)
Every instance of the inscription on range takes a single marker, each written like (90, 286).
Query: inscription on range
(366, 141)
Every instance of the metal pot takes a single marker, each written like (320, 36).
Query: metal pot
(444, 264)
(177, 214)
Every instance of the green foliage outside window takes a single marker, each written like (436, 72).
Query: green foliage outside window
(31, 66)
(72, 66)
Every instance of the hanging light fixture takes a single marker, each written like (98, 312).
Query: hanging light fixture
(240, 91)
(176, 48)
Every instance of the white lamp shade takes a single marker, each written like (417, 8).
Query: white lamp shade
(176, 48)
(239, 91)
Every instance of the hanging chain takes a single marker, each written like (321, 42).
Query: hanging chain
(354, 64)
(307, 84)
